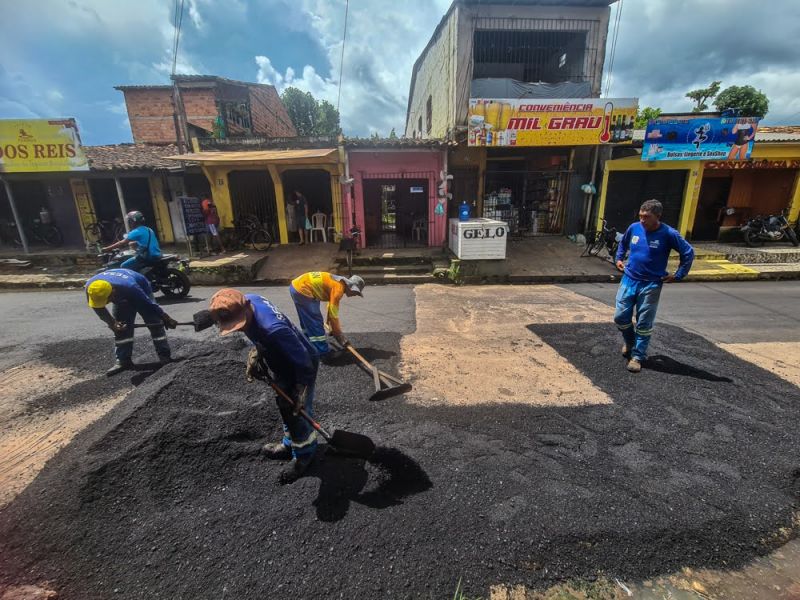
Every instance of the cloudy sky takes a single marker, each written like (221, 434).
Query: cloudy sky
(63, 57)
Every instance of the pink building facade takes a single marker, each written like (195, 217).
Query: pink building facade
(395, 195)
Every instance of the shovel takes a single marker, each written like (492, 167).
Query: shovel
(354, 444)
(394, 386)
(200, 320)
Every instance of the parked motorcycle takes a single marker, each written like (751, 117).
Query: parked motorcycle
(169, 275)
(773, 228)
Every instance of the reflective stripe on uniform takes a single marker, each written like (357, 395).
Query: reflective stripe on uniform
(159, 339)
(311, 439)
(123, 342)
(644, 332)
(317, 285)
(318, 338)
(621, 327)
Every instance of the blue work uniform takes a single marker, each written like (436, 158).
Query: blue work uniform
(293, 360)
(132, 294)
(147, 249)
(640, 288)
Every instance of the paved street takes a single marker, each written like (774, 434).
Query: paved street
(525, 452)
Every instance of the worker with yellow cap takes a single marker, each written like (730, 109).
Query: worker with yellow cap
(130, 293)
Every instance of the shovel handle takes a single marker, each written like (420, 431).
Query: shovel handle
(293, 404)
(138, 325)
(387, 379)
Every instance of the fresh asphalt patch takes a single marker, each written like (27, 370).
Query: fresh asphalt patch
(169, 495)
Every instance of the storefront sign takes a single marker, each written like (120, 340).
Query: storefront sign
(699, 138)
(549, 122)
(40, 145)
(754, 164)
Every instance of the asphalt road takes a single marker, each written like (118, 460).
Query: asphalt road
(731, 312)
(35, 318)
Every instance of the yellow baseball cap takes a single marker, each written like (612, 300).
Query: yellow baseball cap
(99, 292)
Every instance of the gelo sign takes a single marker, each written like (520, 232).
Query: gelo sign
(484, 234)
(40, 145)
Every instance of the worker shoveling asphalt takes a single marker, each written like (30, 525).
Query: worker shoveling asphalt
(281, 348)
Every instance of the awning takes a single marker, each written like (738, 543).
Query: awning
(255, 157)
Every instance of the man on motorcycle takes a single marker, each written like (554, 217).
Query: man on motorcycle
(142, 239)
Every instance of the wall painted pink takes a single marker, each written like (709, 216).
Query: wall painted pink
(397, 164)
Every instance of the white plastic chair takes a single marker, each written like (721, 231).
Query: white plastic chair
(417, 228)
(331, 228)
(318, 223)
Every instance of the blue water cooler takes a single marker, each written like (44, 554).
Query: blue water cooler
(463, 211)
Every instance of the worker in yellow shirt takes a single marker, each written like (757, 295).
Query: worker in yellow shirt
(309, 290)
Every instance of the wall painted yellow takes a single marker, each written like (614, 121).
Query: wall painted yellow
(218, 178)
(161, 210)
(694, 180)
(83, 203)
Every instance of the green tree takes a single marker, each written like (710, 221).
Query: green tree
(643, 115)
(701, 96)
(392, 134)
(310, 117)
(750, 101)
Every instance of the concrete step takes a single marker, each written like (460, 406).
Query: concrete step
(365, 270)
(387, 259)
(392, 278)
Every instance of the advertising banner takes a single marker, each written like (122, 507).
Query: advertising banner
(692, 137)
(40, 145)
(551, 122)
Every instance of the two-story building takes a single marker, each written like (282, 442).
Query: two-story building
(517, 86)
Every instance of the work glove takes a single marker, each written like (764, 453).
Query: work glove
(299, 397)
(169, 322)
(117, 326)
(255, 367)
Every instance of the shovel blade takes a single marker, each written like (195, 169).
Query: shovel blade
(352, 443)
(389, 392)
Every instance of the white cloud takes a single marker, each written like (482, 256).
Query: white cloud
(384, 39)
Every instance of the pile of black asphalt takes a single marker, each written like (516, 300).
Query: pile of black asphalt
(169, 495)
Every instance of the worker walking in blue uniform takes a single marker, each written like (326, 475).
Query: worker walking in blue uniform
(649, 241)
(293, 361)
(130, 294)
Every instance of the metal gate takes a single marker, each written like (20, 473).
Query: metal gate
(627, 191)
(253, 194)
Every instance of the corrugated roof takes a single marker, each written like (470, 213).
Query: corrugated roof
(401, 142)
(211, 80)
(316, 155)
(130, 157)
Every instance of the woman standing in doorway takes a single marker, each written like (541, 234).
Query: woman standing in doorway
(300, 215)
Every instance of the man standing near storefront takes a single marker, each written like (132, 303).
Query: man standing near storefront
(211, 217)
(649, 242)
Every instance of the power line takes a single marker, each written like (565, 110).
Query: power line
(613, 51)
(177, 23)
(341, 62)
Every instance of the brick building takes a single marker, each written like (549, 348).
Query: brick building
(209, 105)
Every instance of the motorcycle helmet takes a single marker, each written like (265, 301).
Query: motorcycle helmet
(135, 218)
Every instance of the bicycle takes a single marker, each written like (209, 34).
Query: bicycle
(350, 246)
(46, 233)
(247, 232)
(105, 231)
(596, 241)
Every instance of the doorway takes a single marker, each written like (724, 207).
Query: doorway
(315, 185)
(253, 195)
(396, 213)
(710, 208)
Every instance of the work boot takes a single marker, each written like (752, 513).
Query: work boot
(164, 360)
(331, 357)
(119, 367)
(626, 352)
(634, 366)
(277, 451)
(295, 469)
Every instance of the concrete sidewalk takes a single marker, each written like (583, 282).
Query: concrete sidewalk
(541, 259)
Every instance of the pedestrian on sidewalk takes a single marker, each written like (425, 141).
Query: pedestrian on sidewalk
(293, 362)
(301, 215)
(649, 242)
(130, 293)
(308, 290)
(212, 220)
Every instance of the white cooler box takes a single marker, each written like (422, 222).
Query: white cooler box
(478, 239)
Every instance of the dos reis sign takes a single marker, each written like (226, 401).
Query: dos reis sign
(40, 145)
(551, 122)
